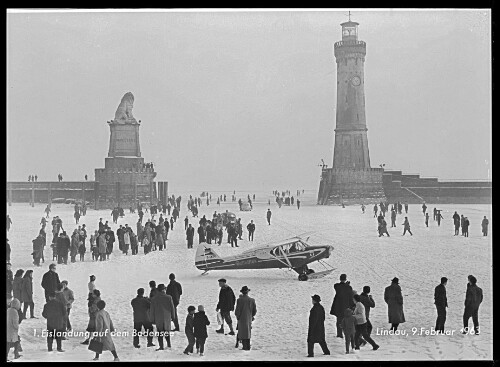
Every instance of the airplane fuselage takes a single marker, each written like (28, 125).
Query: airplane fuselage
(264, 259)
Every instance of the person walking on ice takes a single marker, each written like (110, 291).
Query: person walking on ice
(269, 216)
(406, 225)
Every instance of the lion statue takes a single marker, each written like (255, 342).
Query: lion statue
(124, 110)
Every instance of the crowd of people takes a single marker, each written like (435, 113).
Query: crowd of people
(352, 311)
(459, 221)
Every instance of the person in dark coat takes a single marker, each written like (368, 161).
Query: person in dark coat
(394, 299)
(349, 329)
(50, 281)
(27, 293)
(226, 303)
(473, 298)
(174, 289)
(393, 218)
(341, 301)
(484, 226)
(55, 313)
(406, 225)
(245, 313)
(189, 236)
(268, 215)
(38, 244)
(456, 222)
(63, 246)
(441, 303)
(153, 290)
(162, 312)
(17, 285)
(465, 227)
(140, 306)
(201, 234)
(200, 323)
(189, 330)
(368, 302)
(316, 330)
(251, 230)
(10, 279)
(360, 316)
(92, 312)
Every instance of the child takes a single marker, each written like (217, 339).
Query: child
(189, 330)
(200, 322)
(349, 329)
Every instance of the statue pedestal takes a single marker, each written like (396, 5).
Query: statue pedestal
(124, 139)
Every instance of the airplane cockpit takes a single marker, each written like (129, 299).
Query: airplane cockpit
(288, 248)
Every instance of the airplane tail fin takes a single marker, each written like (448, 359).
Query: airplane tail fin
(205, 257)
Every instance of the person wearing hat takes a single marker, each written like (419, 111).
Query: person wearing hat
(162, 313)
(394, 299)
(189, 330)
(50, 281)
(55, 313)
(341, 301)
(227, 299)
(473, 298)
(200, 323)
(245, 312)
(441, 303)
(316, 330)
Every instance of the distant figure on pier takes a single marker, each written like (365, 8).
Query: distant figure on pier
(269, 216)
(36, 178)
(47, 211)
(427, 220)
(424, 208)
(9, 222)
(29, 178)
(375, 209)
(86, 177)
(363, 207)
(406, 208)
(484, 226)
(298, 203)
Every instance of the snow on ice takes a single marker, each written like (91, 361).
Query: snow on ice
(283, 303)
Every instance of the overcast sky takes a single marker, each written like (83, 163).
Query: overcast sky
(246, 100)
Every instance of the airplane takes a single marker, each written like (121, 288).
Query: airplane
(294, 253)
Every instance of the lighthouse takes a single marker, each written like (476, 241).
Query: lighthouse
(351, 178)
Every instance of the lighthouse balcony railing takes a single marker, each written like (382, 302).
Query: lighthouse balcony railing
(349, 43)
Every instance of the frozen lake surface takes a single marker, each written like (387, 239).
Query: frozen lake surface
(283, 303)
